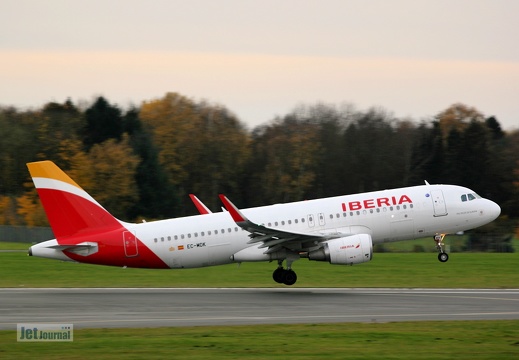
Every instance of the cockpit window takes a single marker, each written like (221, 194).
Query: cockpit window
(470, 197)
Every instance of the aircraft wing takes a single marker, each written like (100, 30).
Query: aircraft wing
(272, 238)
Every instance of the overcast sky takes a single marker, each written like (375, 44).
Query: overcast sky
(262, 58)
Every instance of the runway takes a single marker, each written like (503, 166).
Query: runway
(140, 307)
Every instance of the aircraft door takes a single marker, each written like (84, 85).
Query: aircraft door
(321, 219)
(440, 208)
(130, 244)
(311, 221)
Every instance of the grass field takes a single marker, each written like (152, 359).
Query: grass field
(422, 270)
(408, 340)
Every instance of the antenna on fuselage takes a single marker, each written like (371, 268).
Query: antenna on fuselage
(426, 183)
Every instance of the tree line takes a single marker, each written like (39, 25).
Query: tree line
(144, 161)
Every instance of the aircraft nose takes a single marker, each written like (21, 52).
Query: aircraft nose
(494, 210)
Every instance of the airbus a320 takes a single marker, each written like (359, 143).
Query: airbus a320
(340, 230)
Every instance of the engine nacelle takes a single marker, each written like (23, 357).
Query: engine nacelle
(349, 250)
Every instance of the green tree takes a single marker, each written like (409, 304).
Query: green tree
(103, 121)
(18, 145)
(157, 196)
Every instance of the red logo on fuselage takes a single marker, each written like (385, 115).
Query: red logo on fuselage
(374, 203)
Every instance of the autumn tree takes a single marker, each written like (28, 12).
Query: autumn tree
(284, 162)
(457, 117)
(202, 147)
(57, 124)
(107, 173)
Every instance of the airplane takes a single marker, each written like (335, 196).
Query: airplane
(340, 230)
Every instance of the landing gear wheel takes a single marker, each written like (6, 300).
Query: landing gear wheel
(277, 275)
(443, 257)
(290, 277)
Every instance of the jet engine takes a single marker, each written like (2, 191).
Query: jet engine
(349, 250)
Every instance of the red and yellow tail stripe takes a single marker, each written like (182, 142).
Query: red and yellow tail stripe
(78, 220)
(69, 208)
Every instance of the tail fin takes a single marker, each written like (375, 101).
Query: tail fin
(69, 208)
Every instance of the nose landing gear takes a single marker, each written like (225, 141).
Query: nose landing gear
(442, 255)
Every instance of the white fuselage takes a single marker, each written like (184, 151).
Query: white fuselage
(389, 215)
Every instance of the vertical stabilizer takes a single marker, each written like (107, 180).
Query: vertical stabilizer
(69, 208)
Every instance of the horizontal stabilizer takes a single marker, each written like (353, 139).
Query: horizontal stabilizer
(84, 248)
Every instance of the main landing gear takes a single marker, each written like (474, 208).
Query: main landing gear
(442, 255)
(284, 276)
